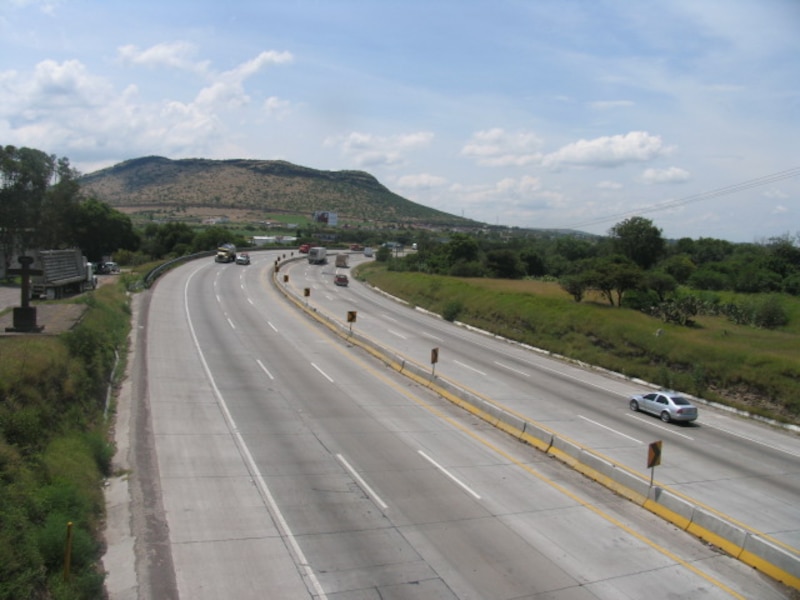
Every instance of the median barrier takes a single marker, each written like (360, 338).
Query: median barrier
(565, 450)
(779, 563)
(675, 509)
(538, 437)
(595, 467)
(711, 528)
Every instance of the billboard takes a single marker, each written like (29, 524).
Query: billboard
(325, 218)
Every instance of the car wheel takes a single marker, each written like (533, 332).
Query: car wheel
(634, 406)
(665, 417)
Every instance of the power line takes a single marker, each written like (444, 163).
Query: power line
(723, 191)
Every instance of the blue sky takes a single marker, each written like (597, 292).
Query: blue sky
(536, 113)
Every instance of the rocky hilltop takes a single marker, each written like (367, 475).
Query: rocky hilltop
(257, 187)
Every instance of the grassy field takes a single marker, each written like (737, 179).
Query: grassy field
(753, 369)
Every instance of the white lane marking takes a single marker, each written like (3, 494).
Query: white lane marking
(397, 333)
(459, 363)
(364, 485)
(263, 368)
(657, 425)
(231, 323)
(275, 329)
(512, 369)
(321, 372)
(280, 521)
(610, 429)
(388, 318)
(250, 300)
(749, 439)
(449, 474)
(219, 300)
(433, 337)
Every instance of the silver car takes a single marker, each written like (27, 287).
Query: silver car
(669, 406)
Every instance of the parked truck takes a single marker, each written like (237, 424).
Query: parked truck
(342, 260)
(63, 272)
(317, 255)
(226, 253)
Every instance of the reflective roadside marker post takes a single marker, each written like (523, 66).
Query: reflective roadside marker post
(434, 360)
(653, 458)
(285, 279)
(306, 294)
(351, 318)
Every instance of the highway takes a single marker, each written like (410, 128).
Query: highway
(288, 464)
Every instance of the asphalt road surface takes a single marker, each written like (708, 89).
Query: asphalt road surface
(269, 459)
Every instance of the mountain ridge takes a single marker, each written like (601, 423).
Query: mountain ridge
(254, 185)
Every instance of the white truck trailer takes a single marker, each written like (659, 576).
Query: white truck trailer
(317, 255)
(62, 272)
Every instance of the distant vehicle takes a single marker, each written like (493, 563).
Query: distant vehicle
(107, 268)
(226, 253)
(317, 255)
(341, 279)
(369, 252)
(356, 247)
(243, 258)
(669, 406)
(304, 248)
(341, 261)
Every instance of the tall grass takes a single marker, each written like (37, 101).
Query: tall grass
(54, 451)
(746, 367)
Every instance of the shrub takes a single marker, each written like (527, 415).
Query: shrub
(452, 309)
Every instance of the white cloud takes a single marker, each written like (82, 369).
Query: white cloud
(609, 185)
(276, 107)
(608, 151)
(498, 148)
(177, 55)
(420, 181)
(670, 175)
(366, 149)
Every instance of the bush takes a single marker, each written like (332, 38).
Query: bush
(452, 309)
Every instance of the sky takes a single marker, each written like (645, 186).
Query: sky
(568, 114)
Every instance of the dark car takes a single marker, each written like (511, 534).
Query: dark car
(669, 406)
(341, 280)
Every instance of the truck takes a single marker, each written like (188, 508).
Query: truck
(341, 261)
(226, 253)
(59, 273)
(317, 255)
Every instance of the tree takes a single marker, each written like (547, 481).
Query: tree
(99, 230)
(612, 277)
(574, 285)
(461, 248)
(505, 264)
(25, 174)
(639, 240)
(660, 282)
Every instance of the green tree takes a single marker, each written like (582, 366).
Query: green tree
(504, 264)
(639, 240)
(612, 277)
(660, 282)
(99, 230)
(25, 174)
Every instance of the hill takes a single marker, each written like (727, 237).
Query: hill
(255, 188)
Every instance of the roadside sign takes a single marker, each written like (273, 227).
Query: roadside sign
(654, 454)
